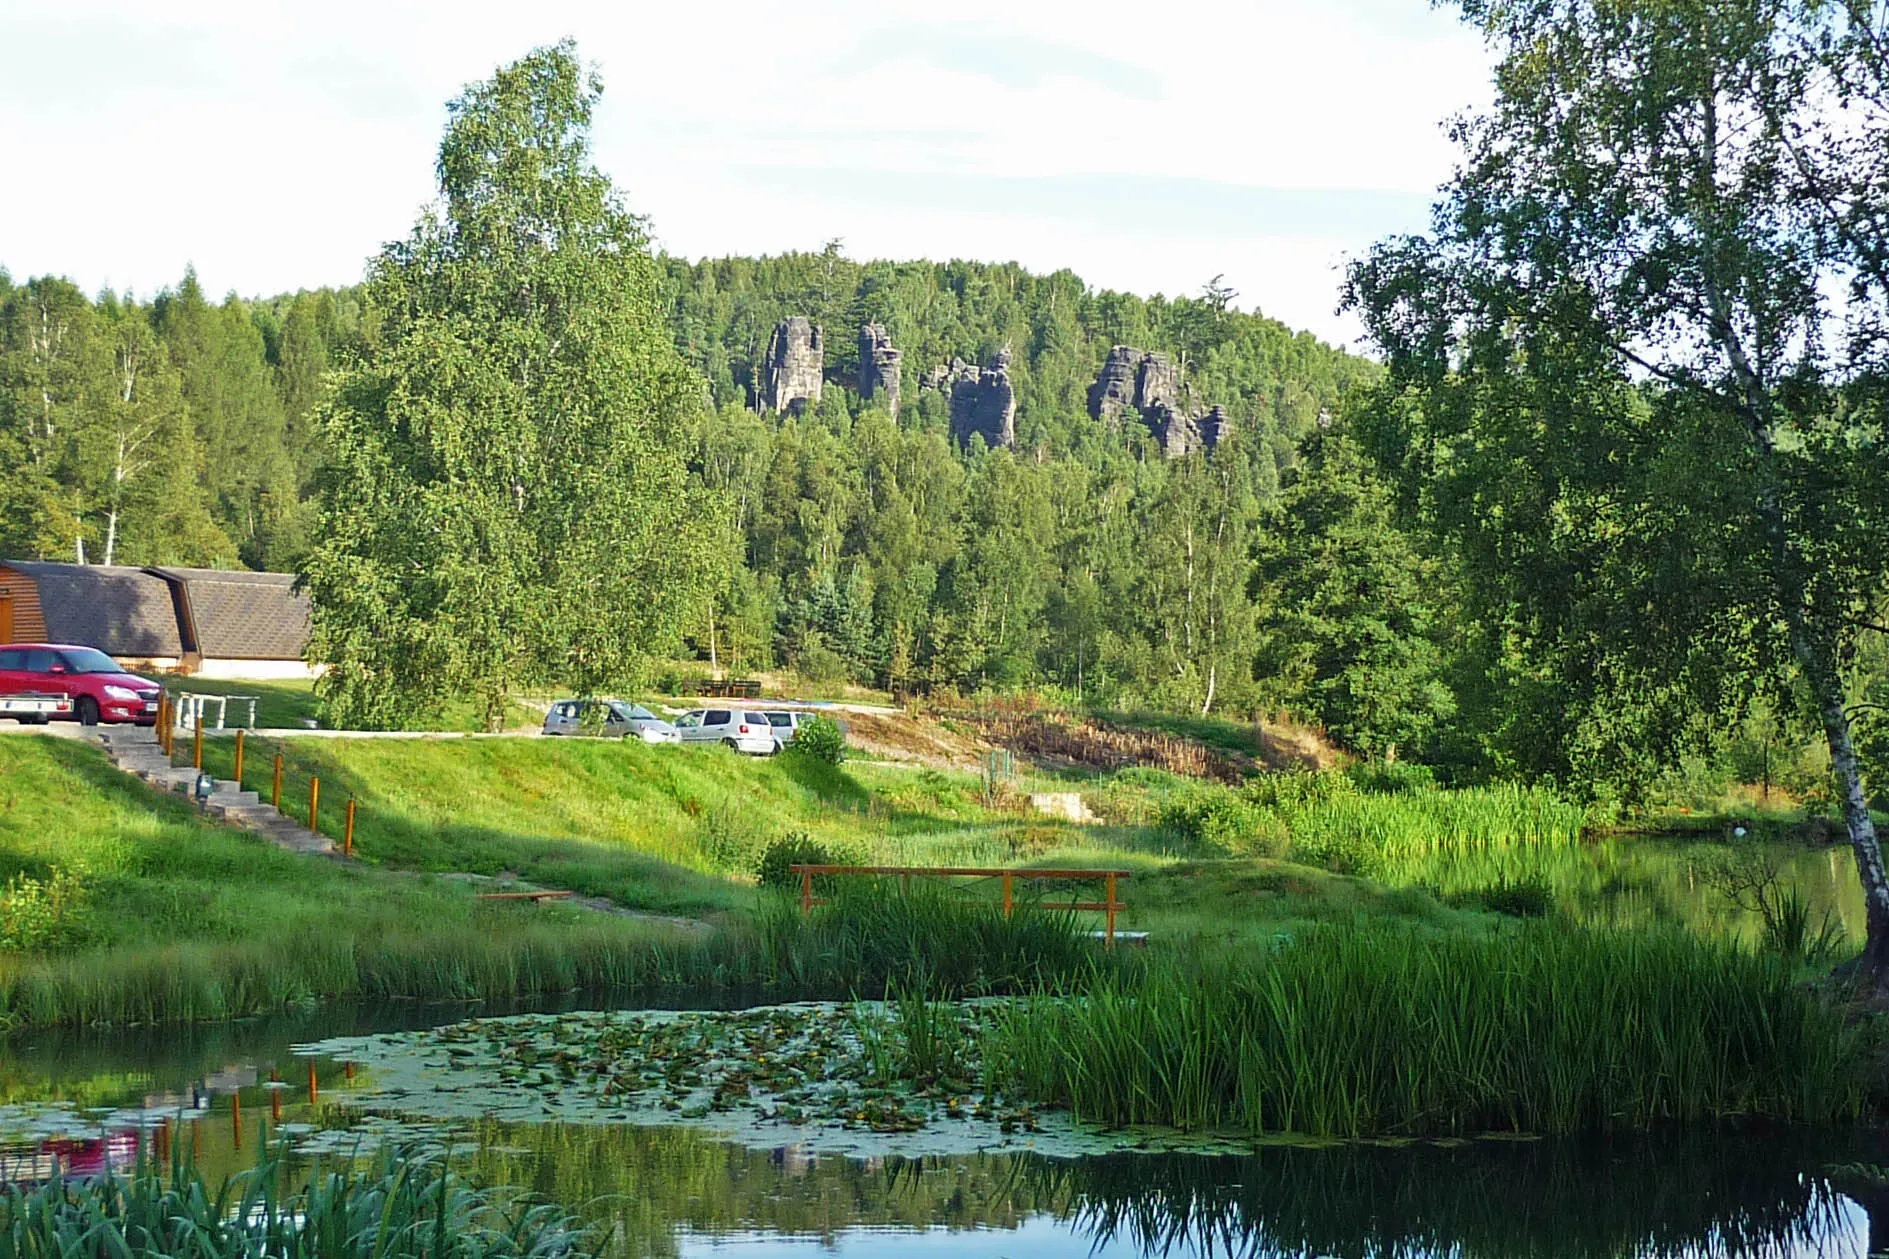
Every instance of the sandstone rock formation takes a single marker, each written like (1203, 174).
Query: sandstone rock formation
(983, 401)
(791, 373)
(1143, 380)
(878, 368)
(1150, 385)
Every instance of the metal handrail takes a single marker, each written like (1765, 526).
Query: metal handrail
(1110, 880)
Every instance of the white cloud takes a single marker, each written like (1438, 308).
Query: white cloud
(277, 146)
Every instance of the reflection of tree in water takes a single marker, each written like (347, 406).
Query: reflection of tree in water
(1708, 1196)
(1500, 1200)
(644, 1183)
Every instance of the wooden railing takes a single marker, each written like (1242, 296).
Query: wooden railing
(1109, 906)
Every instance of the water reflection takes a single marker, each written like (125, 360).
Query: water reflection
(662, 1192)
(673, 1191)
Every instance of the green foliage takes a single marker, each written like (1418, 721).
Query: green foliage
(795, 848)
(504, 500)
(875, 936)
(42, 915)
(1350, 620)
(1363, 1033)
(821, 739)
(1636, 386)
(407, 1203)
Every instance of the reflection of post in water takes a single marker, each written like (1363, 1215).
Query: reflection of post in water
(1716, 1194)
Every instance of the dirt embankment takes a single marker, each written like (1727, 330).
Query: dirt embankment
(960, 737)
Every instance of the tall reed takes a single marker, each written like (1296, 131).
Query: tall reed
(408, 1204)
(1375, 1031)
(870, 938)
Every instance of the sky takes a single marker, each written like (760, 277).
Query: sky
(1146, 146)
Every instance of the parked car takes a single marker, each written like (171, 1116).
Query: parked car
(786, 723)
(101, 690)
(620, 720)
(743, 730)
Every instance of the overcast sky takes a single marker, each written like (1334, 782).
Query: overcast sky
(1147, 146)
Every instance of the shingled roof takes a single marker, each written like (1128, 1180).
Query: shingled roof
(120, 611)
(242, 615)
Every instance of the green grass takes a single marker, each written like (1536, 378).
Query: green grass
(288, 704)
(178, 920)
(1381, 1031)
(657, 828)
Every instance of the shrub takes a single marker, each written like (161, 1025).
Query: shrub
(795, 848)
(37, 915)
(1391, 778)
(1300, 790)
(1218, 820)
(820, 738)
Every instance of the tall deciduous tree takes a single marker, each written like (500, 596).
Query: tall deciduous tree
(503, 502)
(1644, 348)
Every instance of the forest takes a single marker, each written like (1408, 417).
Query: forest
(1512, 540)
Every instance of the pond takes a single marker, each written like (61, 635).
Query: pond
(669, 1189)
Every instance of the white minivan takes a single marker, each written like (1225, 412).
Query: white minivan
(740, 729)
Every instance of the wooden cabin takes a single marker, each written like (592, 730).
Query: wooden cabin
(211, 622)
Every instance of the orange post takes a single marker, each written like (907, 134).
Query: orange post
(197, 756)
(275, 1100)
(314, 803)
(163, 703)
(314, 1088)
(196, 1139)
(276, 800)
(1009, 894)
(1113, 905)
(347, 835)
(806, 891)
(236, 1117)
(164, 1139)
(237, 774)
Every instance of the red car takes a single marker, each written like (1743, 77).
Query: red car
(100, 689)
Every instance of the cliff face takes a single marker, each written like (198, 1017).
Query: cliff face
(792, 371)
(983, 401)
(1145, 381)
(1149, 385)
(878, 369)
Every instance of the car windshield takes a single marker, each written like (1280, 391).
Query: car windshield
(639, 713)
(86, 660)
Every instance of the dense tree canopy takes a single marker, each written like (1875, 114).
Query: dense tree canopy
(1638, 368)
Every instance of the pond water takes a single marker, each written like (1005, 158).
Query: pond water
(677, 1190)
(90, 1098)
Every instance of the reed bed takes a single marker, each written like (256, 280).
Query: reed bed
(1372, 1032)
(871, 937)
(407, 1204)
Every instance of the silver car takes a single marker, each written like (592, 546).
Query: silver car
(620, 721)
(786, 723)
(744, 730)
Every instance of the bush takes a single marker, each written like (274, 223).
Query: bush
(1298, 790)
(820, 738)
(1218, 820)
(795, 848)
(38, 915)
(1391, 778)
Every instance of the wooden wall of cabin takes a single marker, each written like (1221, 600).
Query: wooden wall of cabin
(21, 618)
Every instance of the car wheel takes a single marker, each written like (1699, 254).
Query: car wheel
(731, 745)
(88, 711)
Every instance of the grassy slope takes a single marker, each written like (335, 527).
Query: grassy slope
(183, 920)
(285, 705)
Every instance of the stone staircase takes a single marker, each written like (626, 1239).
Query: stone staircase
(135, 750)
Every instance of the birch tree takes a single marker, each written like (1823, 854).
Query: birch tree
(1641, 356)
